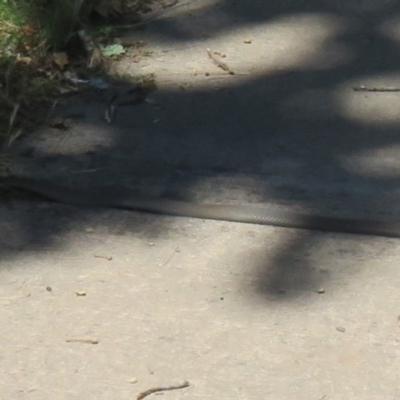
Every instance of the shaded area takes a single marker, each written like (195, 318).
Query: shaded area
(283, 134)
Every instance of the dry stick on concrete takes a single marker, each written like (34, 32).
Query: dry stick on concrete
(219, 63)
(170, 257)
(89, 341)
(142, 395)
(378, 89)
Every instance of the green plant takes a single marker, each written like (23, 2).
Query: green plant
(58, 20)
(13, 18)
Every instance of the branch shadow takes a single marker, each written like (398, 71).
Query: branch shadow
(295, 130)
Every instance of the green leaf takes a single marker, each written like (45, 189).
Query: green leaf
(112, 50)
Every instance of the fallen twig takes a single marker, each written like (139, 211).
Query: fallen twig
(147, 392)
(90, 341)
(378, 89)
(170, 257)
(219, 63)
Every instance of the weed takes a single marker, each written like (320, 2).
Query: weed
(33, 34)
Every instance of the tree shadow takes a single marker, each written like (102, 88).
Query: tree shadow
(299, 130)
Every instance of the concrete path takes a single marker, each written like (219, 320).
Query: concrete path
(239, 311)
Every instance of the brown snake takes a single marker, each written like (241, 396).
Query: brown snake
(251, 214)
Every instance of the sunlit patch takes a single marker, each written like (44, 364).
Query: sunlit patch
(252, 51)
(375, 163)
(372, 100)
(391, 29)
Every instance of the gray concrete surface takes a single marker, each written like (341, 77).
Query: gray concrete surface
(240, 311)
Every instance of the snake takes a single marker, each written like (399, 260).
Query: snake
(244, 213)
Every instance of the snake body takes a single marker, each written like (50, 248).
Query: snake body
(226, 212)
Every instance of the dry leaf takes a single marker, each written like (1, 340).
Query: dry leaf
(60, 59)
(23, 60)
